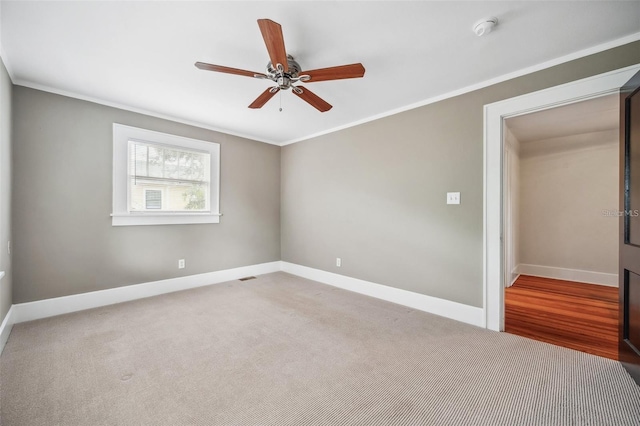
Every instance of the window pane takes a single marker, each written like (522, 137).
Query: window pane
(171, 158)
(164, 178)
(140, 159)
(156, 162)
(194, 197)
(192, 166)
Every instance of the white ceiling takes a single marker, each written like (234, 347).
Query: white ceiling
(140, 55)
(590, 116)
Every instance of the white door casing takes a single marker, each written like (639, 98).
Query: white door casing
(494, 116)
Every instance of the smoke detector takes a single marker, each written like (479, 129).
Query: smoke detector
(485, 26)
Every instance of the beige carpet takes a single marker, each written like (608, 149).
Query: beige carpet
(281, 350)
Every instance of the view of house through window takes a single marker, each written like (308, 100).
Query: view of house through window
(165, 178)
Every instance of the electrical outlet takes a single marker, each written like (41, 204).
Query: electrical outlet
(338, 262)
(181, 264)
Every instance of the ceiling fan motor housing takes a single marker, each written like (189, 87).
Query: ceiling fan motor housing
(284, 79)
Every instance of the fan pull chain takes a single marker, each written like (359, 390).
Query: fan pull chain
(280, 101)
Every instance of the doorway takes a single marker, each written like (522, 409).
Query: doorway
(495, 114)
(561, 181)
(561, 177)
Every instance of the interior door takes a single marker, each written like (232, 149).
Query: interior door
(629, 272)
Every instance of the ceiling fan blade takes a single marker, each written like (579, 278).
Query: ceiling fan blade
(311, 98)
(228, 70)
(334, 73)
(264, 97)
(274, 40)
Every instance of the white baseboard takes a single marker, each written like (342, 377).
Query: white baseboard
(517, 275)
(445, 308)
(62, 305)
(589, 277)
(5, 328)
(30, 311)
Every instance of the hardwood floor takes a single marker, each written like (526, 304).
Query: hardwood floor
(579, 316)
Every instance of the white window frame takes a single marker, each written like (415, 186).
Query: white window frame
(121, 216)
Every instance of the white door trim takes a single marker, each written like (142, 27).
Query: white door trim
(494, 115)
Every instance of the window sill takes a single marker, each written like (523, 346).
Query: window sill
(125, 219)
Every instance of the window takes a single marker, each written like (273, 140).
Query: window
(161, 179)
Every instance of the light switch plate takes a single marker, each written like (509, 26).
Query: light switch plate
(453, 198)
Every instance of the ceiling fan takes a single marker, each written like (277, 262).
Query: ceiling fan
(284, 70)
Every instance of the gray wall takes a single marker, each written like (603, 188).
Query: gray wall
(63, 239)
(565, 184)
(5, 190)
(374, 194)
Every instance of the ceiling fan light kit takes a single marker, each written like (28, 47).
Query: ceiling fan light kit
(287, 71)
